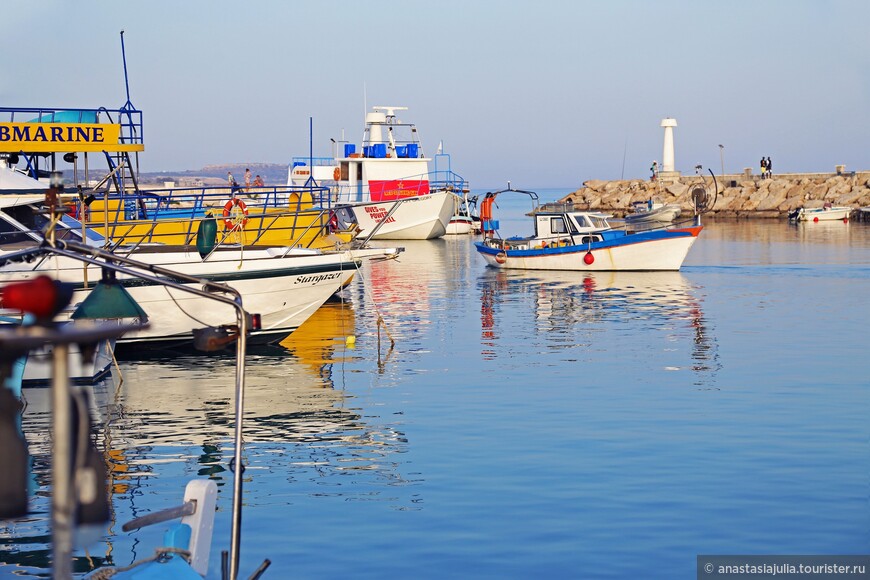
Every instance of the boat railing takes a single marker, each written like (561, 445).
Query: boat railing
(448, 180)
(312, 161)
(129, 119)
(407, 186)
(171, 212)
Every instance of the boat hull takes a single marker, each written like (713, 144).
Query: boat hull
(460, 226)
(422, 217)
(661, 250)
(824, 214)
(284, 291)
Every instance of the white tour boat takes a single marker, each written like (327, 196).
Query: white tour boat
(386, 188)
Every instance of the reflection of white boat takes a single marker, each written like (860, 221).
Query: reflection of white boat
(567, 239)
(37, 370)
(37, 363)
(652, 212)
(820, 214)
(387, 188)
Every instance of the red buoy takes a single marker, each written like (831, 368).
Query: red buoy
(588, 258)
(816, 219)
(845, 220)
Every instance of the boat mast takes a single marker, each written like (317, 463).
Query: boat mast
(128, 105)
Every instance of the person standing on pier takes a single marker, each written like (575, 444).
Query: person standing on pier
(234, 186)
(769, 165)
(763, 167)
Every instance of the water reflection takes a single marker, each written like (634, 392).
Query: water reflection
(758, 242)
(569, 310)
(403, 290)
(172, 419)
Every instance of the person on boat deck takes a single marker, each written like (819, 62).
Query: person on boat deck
(247, 180)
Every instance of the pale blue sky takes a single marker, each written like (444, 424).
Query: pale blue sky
(545, 94)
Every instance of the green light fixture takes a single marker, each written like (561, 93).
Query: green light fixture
(109, 299)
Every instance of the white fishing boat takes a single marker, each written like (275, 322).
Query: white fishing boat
(826, 213)
(387, 188)
(460, 225)
(653, 212)
(570, 239)
(464, 221)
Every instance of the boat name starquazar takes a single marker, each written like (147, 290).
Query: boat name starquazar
(316, 279)
(379, 213)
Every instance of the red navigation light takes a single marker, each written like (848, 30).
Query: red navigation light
(256, 323)
(42, 296)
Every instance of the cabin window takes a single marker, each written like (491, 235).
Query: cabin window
(557, 225)
(345, 171)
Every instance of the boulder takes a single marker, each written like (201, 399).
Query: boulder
(595, 184)
(817, 192)
(771, 199)
(851, 197)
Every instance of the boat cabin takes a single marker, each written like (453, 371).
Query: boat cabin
(389, 165)
(560, 224)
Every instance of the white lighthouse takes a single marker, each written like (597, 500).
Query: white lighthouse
(668, 148)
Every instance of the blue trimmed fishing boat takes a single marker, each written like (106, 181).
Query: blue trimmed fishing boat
(566, 238)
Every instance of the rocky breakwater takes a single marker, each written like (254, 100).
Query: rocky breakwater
(739, 196)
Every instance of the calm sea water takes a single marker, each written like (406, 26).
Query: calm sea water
(522, 425)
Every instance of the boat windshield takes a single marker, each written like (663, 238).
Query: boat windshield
(598, 223)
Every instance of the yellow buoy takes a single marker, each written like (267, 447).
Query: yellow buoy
(350, 341)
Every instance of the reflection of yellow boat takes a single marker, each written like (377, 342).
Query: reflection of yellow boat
(273, 216)
(314, 343)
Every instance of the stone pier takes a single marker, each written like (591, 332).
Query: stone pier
(740, 195)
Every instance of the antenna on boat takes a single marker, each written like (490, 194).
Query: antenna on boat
(128, 104)
(310, 181)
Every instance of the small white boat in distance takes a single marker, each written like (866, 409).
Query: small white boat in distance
(652, 211)
(826, 213)
(464, 222)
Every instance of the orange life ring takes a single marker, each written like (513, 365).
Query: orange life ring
(336, 175)
(231, 221)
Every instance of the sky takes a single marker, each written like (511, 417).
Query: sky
(545, 93)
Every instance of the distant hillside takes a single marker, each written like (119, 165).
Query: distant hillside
(272, 174)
